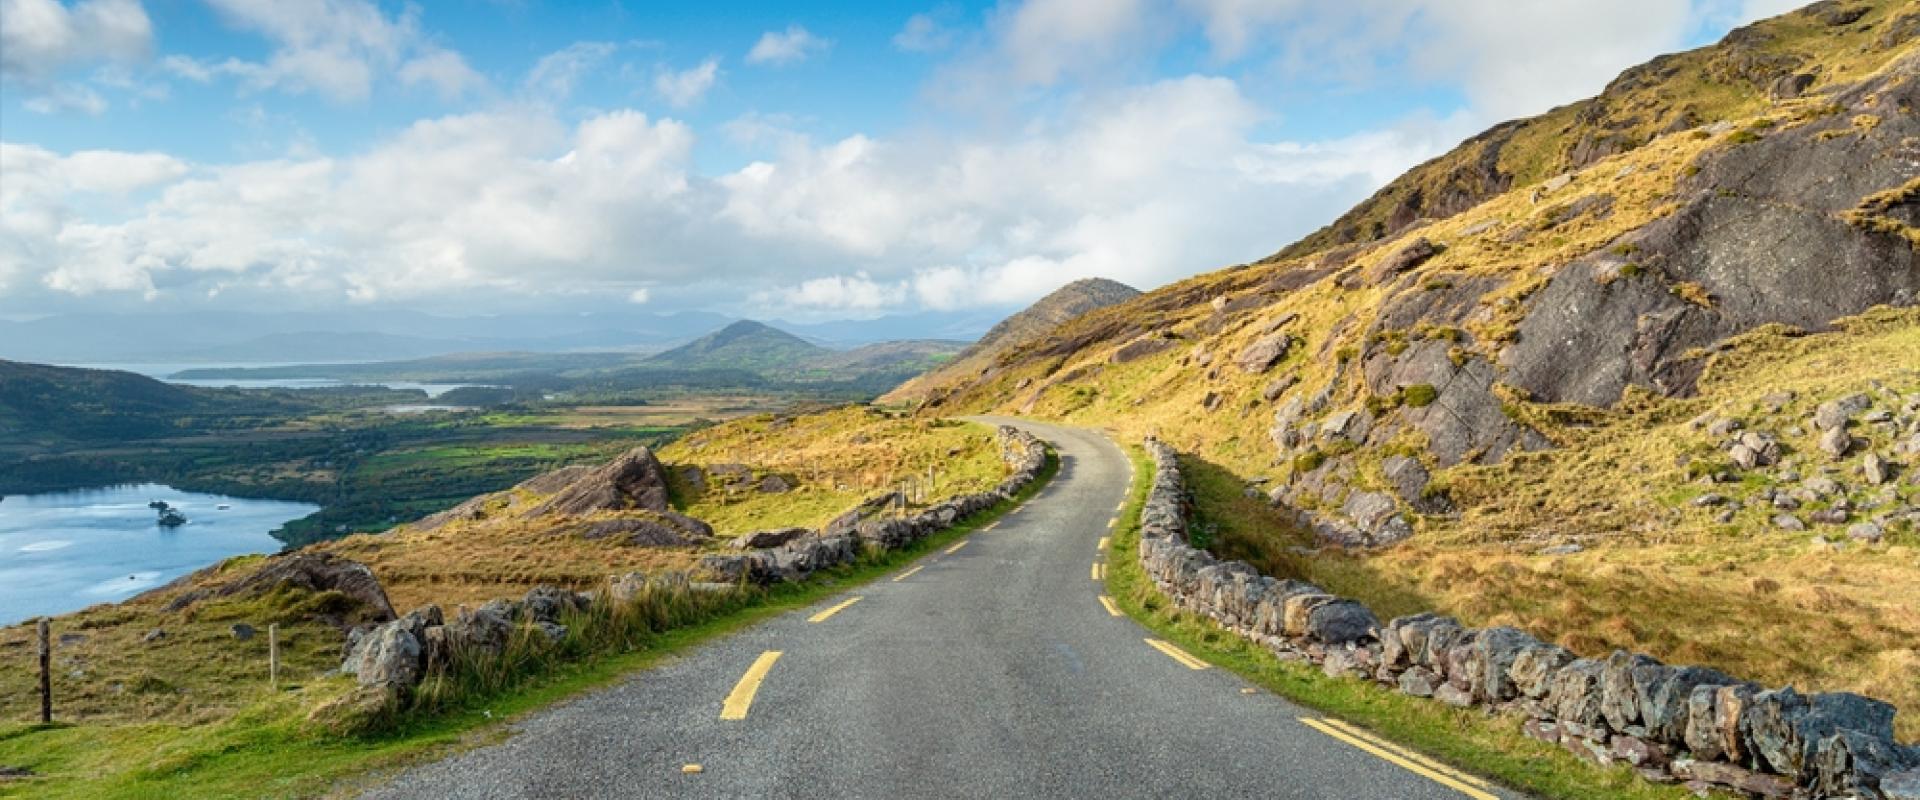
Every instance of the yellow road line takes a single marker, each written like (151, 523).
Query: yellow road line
(741, 698)
(1103, 543)
(1099, 570)
(1177, 654)
(1405, 753)
(1111, 608)
(992, 525)
(822, 616)
(956, 548)
(1119, 508)
(1390, 757)
(908, 574)
(1112, 522)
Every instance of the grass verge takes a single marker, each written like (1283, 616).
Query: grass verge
(269, 750)
(1487, 745)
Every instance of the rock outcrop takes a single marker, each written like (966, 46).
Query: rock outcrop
(633, 481)
(362, 597)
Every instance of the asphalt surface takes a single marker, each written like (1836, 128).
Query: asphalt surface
(993, 671)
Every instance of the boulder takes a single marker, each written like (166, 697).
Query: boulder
(1143, 347)
(1835, 413)
(635, 480)
(769, 538)
(391, 655)
(1264, 352)
(774, 484)
(1340, 622)
(651, 529)
(549, 603)
(313, 572)
(1835, 442)
(1877, 470)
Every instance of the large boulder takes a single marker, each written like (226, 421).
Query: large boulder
(1264, 352)
(391, 655)
(366, 600)
(635, 480)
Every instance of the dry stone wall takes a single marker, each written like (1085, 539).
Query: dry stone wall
(396, 655)
(1670, 723)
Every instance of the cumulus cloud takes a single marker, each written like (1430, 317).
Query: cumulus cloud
(43, 37)
(337, 49)
(792, 46)
(686, 87)
(1143, 184)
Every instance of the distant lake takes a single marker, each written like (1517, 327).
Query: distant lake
(165, 372)
(64, 551)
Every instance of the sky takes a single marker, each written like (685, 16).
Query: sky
(801, 160)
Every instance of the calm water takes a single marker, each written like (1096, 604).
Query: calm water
(64, 551)
(165, 372)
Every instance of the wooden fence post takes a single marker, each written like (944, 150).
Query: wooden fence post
(273, 655)
(46, 672)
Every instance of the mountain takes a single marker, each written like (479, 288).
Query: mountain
(745, 345)
(1605, 258)
(1063, 304)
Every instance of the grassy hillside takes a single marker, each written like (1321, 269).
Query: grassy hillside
(1487, 407)
(1033, 322)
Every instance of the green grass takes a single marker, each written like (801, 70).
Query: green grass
(269, 750)
(1490, 746)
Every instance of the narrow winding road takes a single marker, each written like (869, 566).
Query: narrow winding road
(993, 669)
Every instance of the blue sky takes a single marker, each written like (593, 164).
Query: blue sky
(809, 160)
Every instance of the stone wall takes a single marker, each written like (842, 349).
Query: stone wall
(393, 657)
(1671, 723)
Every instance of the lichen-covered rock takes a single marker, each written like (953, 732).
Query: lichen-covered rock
(1533, 669)
(1576, 692)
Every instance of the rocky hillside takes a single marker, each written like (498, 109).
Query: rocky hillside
(1491, 366)
(1063, 304)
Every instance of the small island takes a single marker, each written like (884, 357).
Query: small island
(170, 517)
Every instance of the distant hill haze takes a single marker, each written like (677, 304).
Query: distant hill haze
(1063, 304)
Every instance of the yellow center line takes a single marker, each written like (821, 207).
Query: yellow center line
(741, 698)
(1177, 654)
(956, 547)
(1390, 757)
(1103, 543)
(908, 574)
(1111, 608)
(1404, 752)
(822, 616)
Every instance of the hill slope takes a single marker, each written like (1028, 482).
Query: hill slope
(44, 404)
(742, 345)
(1064, 303)
(1504, 373)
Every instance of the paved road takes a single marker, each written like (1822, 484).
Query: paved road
(994, 670)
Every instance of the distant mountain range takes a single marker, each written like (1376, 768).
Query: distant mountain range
(364, 336)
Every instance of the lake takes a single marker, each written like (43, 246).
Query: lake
(165, 372)
(64, 551)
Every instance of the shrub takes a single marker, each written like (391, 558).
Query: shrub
(1419, 395)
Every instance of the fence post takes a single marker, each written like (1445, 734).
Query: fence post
(46, 672)
(273, 655)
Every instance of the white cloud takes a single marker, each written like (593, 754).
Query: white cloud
(556, 73)
(445, 71)
(1142, 184)
(640, 296)
(686, 87)
(335, 48)
(67, 97)
(923, 34)
(792, 46)
(1044, 38)
(41, 37)
(856, 292)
